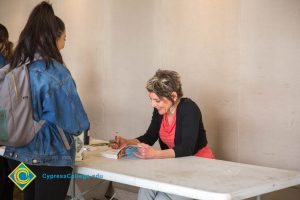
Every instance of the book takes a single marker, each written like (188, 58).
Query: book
(97, 142)
(123, 153)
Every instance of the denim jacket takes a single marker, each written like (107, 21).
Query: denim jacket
(54, 100)
(2, 60)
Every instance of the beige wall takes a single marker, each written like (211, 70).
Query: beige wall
(239, 60)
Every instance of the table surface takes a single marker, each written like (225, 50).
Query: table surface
(193, 177)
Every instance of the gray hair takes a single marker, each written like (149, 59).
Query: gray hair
(163, 83)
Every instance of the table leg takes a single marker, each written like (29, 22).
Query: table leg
(73, 188)
(258, 197)
(76, 196)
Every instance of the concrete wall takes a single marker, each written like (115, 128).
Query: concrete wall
(239, 60)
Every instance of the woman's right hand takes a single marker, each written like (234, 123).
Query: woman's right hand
(118, 142)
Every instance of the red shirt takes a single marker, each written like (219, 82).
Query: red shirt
(167, 135)
(167, 131)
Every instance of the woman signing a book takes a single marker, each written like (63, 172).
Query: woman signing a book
(176, 123)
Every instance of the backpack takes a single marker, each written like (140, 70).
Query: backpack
(17, 126)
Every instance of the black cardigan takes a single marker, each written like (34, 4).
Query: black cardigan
(190, 134)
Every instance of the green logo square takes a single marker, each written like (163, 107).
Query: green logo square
(22, 176)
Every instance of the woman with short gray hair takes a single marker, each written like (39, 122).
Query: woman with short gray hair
(176, 124)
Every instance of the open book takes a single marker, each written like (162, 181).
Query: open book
(125, 152)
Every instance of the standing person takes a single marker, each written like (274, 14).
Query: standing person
(6, 46)
(6, 185)
(54, 100)
(176, 123)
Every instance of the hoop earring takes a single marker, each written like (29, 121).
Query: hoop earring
(172, 109)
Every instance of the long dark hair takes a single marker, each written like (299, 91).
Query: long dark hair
(6, 47)
(38, 36)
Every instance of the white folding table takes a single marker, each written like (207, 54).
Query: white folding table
(193, 177)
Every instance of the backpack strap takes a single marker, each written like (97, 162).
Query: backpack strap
(38, 125)
(63, 138)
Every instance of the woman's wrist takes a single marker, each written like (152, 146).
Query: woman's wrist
(158, 153)
(167, 153)
(132, 142)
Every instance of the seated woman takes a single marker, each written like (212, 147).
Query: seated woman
(176, 123)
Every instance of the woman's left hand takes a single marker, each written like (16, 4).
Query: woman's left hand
(146, 151)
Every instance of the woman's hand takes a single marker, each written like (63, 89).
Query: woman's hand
(146, 151)
(118, 142)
